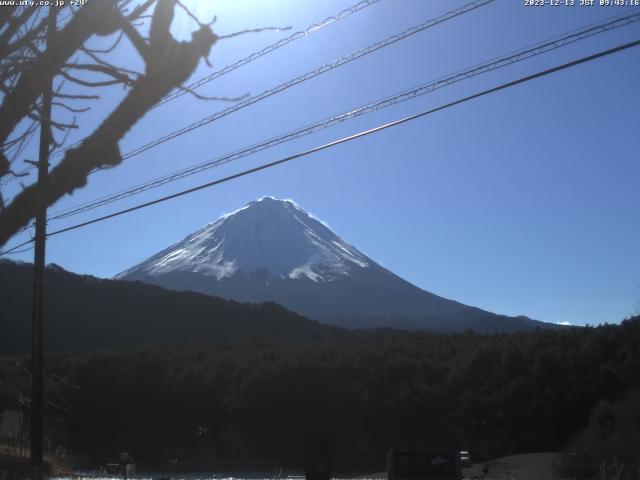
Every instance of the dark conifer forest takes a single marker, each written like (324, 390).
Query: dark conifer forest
(235, 396)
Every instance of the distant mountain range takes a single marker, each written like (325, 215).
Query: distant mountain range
(84, 312)
(272, 250)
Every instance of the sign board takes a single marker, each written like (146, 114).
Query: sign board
(11, 426)
(415, 465)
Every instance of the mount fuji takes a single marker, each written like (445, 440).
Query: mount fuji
(272, 250)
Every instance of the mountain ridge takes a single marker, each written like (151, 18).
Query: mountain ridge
(84, 312)
(273, 250)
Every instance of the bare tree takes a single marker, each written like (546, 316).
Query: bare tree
(26, 63)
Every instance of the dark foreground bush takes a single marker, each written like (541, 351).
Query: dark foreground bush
(610, 445)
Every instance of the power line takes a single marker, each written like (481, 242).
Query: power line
(270, 48)
(499, 62)
(349, 138)
(234, 66)
(14, 250)
(260, 53)
(307, 76)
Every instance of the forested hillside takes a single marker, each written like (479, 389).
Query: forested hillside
(84, 312)
(492, 394)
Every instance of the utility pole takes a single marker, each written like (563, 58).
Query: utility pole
(37, 397)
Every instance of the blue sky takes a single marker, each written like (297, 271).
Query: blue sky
(522, 202)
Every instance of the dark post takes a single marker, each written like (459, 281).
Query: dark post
(318, 455)
(38, 271)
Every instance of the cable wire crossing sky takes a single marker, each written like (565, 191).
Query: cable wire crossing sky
(521, 202)
(403, 96)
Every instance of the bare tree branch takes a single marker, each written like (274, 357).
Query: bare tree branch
(136, 39)
(77, 97)
(169, 63)
(55, 143)
(14, 24)
(100, 68)
(63, 126)
(87, 83)
(70, 109)
(253, 30)
(5, 14)
(140, 9)
(31, 83)
(97, 17)
(33, 34)
(100, 61)
(208, 98)
(108, 49)
(190, 14)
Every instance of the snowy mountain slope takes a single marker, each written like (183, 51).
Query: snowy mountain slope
(269, 234)
(272, 250)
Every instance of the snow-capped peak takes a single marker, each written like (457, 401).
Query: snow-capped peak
(276, 236)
